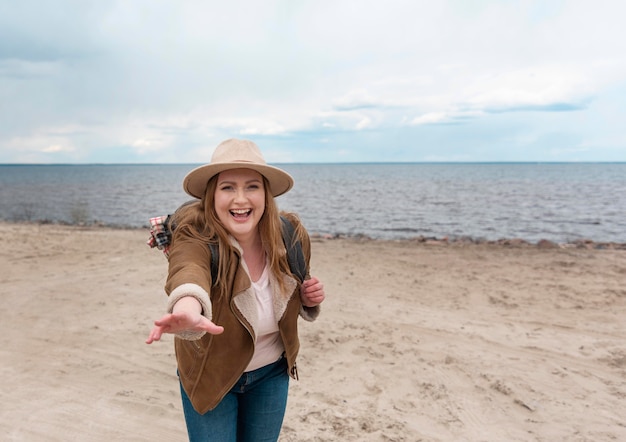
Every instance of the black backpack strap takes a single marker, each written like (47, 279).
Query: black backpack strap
(295, 256)
(215, 256)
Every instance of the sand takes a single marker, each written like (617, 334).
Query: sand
(416, 341)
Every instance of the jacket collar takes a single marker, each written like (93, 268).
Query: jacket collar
(243, 293)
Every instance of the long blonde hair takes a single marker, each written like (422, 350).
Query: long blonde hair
(199, 220)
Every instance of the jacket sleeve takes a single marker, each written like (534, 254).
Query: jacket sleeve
(189, 274)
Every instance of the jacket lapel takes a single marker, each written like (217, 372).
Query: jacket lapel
(244, 297)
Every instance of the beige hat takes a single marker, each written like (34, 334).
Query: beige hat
(236, 154)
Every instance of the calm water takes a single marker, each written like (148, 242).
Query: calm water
(560, 202)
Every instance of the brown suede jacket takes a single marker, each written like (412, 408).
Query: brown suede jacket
(210, 365)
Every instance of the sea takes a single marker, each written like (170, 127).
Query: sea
(559, 202)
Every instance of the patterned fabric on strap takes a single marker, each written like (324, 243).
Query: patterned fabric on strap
(160, 233)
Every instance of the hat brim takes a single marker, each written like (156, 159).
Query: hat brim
(196, 181)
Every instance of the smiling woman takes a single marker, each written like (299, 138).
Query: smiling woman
(236, 338)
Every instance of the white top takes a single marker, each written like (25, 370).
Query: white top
(269, 346)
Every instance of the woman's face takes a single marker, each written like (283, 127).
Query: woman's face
(240, 202)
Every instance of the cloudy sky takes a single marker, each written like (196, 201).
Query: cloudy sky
(159, 81)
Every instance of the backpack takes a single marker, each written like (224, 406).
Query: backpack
(161, 228)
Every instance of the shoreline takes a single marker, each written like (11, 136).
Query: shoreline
(418, 239)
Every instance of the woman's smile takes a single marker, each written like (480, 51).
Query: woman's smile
(241, 214)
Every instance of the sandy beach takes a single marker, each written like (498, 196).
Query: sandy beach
(416, 342)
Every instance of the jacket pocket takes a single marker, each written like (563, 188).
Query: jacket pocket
(190, 356)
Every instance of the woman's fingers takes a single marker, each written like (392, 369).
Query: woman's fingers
(178, 322)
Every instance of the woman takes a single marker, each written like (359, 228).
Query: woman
(236, 339)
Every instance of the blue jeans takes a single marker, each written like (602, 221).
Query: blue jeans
(252, 411)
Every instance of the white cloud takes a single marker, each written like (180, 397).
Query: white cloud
(447, 117)
(57, 148)
(365, 123)
(532, 87)
(260, 127)
(168, 80)
(40, 147)
(355, 99)
(431, 118)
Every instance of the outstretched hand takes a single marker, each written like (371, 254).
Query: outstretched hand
(182, 321)
(312, 292)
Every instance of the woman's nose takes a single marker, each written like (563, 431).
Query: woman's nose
(240, 194)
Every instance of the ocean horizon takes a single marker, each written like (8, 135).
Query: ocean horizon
(534, 200)
(321, 163)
